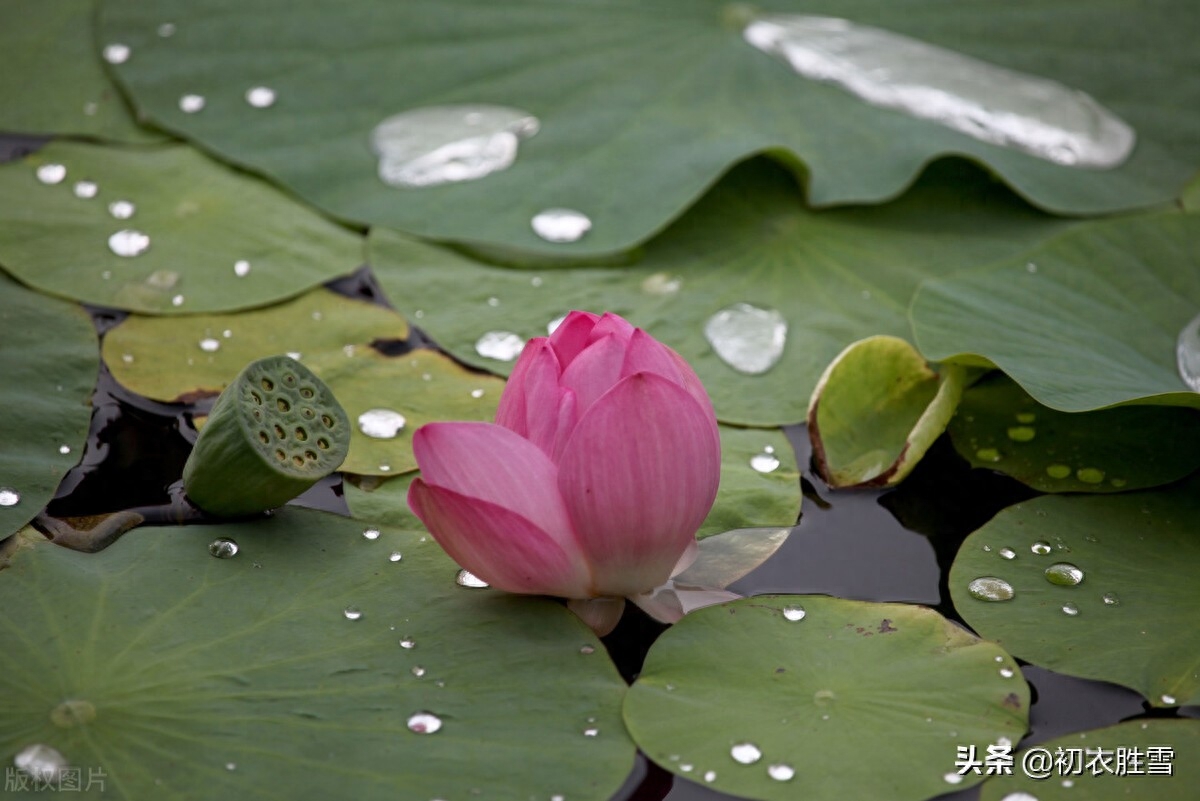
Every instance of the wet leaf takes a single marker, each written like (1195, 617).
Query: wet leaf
(48, 357)
(641, 106)
(1134, 608)
(860, 700)
(876, 410)
(1000, 427)
(1087, 320)
(245, 676)
(834, 277)
(193, 221)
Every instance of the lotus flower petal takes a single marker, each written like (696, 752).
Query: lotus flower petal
(595, 370)
(647, 354)
(601, 614)
(573, 335)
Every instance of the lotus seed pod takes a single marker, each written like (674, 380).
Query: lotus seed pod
(273, 433)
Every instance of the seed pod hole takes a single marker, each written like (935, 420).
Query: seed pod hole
(280, 455)
(311, 456)
(257, 398)
(298, 461)
(289, 379)
(308, 413)
(283, 405)
(264, 437)
(268, 384)
(306, 392)
(323, 444)
(301, 434)
(279, 432)
(258, 415)
(327, 420)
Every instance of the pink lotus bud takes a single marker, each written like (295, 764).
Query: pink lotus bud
(602, 463)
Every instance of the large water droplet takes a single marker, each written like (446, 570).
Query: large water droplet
(223, 548)
(794, 613)
(561, 225)
(446, 144)
(241, 268)
(1090, 475)
(210, 345)
(1187, 353)
(1058, 470)
(990, 588)
(408, 644)
(116, 53)
(370, 533)
(260, 96)
(500, 345)
(1019, 796)
(51, 174)
(42, 762)
(424, 723)
(466, 578)
(747, 338)
(85, 190)
(990, 103)
(190, 104)
(9, 496)
(352, 613)
(395, 556)
(1006, 673)
(781, 772)
(745, 753)
(661, 284)
(710, 776)
(1064, 574)
(381, 423)
(1169, 700)
(765, 462)
(1008, 553)
(128, 243)
(121, 209)
(1040, 547)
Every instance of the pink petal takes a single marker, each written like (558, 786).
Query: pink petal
(511, 412)
(670, 602)
(647, 354)
(594, 371)
(638, 476)
(490, 463)
(542, 399)
(601, 614)
(612, 324)
(572, 335)
(500, 546)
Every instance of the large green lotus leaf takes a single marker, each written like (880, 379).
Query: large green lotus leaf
(181, 676)
(859, 700)
(1000, 427)
(876, 410)
(760, 486)
(49, 358)
(1157, 759)
(641, 105)
(201, 218)
(1129, 621)
(51, 78)
(181, 358)
(834, 276)
(1088, 320)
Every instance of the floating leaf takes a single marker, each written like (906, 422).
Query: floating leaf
(1000, 427)
(1088, 320)
(639, 107)
(279, 671)
(726, 557)
(51, 77)
(853, 699)
(876, 410)
(48, 359)
(834, 277)
(1158, 759)
(187, 226)
(1125, 617)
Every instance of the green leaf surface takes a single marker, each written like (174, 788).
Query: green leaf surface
(1157, 759)
(861, 700)
(1000, 427)
(641, 106)
(201, 218)
(51, 77)
(876, 410)
(45, 412)
(244, 677)
(834, 276)
(1088, 320)
(1135, 606)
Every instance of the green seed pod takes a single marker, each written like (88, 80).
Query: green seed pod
(273, 433)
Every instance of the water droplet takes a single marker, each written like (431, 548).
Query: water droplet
(190, 104)
(417, 671)
(493, 302)
(587, 650)
(952, 778)
(990, 588)
(116, 53)
(1008, 553)
(824, 698)
(395, 556)
(177, 300)
(500, 345)
(1118, 482)
(9, 496)
(987, 548)
(127, 358)
(686, 768)
(42, 762)
(51, 174)
(424, 723)
(781, 772)
(230, 766)
(260, 96)
(661, 284)
(85, 190)
(166, 30)
(385, 468)
(1169, 700)
(1064, 574)
(466, 578)
(241, 268)
(794, 613)
(352, 613)
(128, 243)
(745, 753)
(1058, 470)
(370, 533)
(446, 144)
(1187, 351)
(536, 281)
(591, 731)
(1111, 599)
(381, 423)
(765, 462)
(1021, 433)
(223, 548)
(710, 776)
(477, 393)
(210, 345)
(1089, 475)
(988, 455)
(121, 209)
(990, 103)
(1026, 417)
(1068, 783)
(747, 338)
(64, 449)
(561, 225)
(1006, 673)
(1070, 609)
(408, 644)
(553, 325)
(1041, 547)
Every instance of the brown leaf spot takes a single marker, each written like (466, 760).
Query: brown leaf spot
(1012, 700)
(886, 626)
